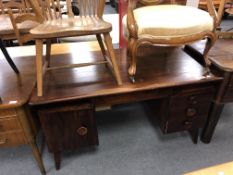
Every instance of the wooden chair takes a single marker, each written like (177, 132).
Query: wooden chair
(54, 25)
(22, 19)
(171, 24)
(228, 33)
(12, 12)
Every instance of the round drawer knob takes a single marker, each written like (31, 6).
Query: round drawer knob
(82, 131)
(187, 125)
(191, 112)
(193, 99)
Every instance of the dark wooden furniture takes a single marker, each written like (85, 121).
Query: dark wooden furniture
(17, 125)
(167, 74)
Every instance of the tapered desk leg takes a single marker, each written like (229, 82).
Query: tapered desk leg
(57, 159)
(8, 58)
(37, 156)
(208, 131)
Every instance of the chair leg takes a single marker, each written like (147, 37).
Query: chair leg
(108, 42)
(132, 51)
(101, 44)
(39, 66)
(210, 42)
(8, 58)
(48, 51)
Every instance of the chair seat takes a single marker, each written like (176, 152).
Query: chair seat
(167, 21)
(6, 27)
(66, 27)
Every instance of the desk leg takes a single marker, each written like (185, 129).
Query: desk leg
(194, 135)
(57, 159)
(23, 115)
(8, 58)
(37, 156)
(208, 131)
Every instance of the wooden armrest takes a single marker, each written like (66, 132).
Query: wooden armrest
(131, 23)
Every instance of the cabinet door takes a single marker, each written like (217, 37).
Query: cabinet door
(69, 127)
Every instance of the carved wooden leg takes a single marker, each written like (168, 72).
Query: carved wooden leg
(132, 50)
(210, 42)
(108, 42)
(39, 66)
(48, 51)
(57, 159)
(37, 156)
(30, 136)
(194, 134)
(101, 44)
(8, 58)
(208, 131)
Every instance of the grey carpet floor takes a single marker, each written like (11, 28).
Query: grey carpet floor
(130, 145)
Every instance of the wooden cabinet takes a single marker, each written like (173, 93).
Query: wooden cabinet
(188, 109)
(185, 110)
(68, 127)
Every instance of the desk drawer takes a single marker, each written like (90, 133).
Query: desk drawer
(192, 97)
(190, 111)
(9, 124)
(180, 124)
(12, 139)
(7, 113)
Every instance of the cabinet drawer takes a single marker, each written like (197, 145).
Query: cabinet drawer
(176, 125)
(9, 124)
(190, 111)
(7, 113)
(69, 127)
(12, 139)
(191, 99)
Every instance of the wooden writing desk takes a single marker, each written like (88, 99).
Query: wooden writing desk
(169, 75)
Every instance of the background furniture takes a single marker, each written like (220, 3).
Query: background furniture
(89, 22)
(221, 60)
(7, 31)
(7, 56)
(17, 124)
(170, 27)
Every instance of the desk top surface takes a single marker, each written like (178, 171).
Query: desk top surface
(157, 68)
